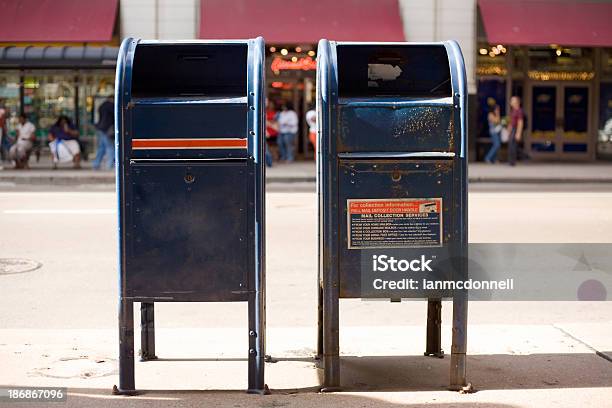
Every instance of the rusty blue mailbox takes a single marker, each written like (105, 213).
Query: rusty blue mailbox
(190, 185)
(391, 181)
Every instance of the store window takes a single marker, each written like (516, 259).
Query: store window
(606, 63)
(46, 97)
(291, 75)
(93, 90)
(491, 60)
(604, 124)
(560, 63)
(492, 72)
(491, 92)
(9, 99)
(604, 139)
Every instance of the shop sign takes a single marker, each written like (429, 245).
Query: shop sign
(301, 64)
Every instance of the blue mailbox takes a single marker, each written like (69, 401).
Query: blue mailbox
(190, 186)
(391, 180)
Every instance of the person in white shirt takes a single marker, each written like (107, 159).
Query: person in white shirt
(26, 135)
(287, 132)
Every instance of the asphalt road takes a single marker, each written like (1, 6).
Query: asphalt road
(72, 299)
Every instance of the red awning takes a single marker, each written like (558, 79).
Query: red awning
(57, 20)
(301, 21)
(543, 22)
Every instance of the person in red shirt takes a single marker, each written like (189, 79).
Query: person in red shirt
(271, 125)
(4, 138)
(271, 129)
(517, 121)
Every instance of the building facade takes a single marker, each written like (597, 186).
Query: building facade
(57, 58)
(556, 55)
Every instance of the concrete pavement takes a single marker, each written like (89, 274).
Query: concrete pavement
(58, 325)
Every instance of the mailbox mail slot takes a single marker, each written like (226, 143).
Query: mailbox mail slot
(190, 184)
(391, 177)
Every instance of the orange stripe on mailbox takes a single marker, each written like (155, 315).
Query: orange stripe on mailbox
(210, 143)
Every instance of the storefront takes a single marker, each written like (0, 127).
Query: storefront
(64, 68)
(291, 75)
(563, 76)
(46, 93)
(291, 35)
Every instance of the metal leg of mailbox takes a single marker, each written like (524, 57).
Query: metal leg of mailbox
(331, 338)
(459, 346)
(319, 355)
(147, 332)
(434, 329)
(126, 349)
(256, 345)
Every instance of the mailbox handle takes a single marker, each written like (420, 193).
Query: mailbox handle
(396, 155)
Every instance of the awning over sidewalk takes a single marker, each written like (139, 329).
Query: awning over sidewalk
(301, 21)
(57, 20)
(543, 22)
(58, 57)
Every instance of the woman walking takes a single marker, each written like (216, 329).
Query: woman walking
(495, 129)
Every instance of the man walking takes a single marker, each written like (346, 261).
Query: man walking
(287, 128)
(517, 121)
(105, 132)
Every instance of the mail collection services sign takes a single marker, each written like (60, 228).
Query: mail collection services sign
(394, 223)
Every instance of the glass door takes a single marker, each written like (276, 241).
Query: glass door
(543, 118)
(575, 135)
(559, 121)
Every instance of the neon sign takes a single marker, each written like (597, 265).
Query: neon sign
(302, 64)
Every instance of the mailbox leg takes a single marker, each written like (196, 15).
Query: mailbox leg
(257, 344)
(126, 349)
(459, 346)
(434, 329)
(147, 332)
(319, 355)
(331, 338)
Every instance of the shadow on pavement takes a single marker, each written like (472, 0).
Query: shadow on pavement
(377, 381)
(485, 372)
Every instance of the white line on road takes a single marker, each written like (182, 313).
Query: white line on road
(63, 211)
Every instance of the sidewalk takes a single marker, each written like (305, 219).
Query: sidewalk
(382, 366)
(41, 173)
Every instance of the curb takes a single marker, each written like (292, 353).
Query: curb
(59, 180)
(531, 180)
(52, 180)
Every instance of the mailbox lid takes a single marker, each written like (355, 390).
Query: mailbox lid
(405, 183)
(187, 69)
(394, 97)
(188, 100)
(188, 231)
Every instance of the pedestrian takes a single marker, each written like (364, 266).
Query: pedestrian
(517, 121)
(63, 141)
(271, 130)
(311, 120)
(495, 129)
(4, 137)
(287, 127)
(105, 133)
(21, 149)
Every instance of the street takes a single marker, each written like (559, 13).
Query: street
(61, 328)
